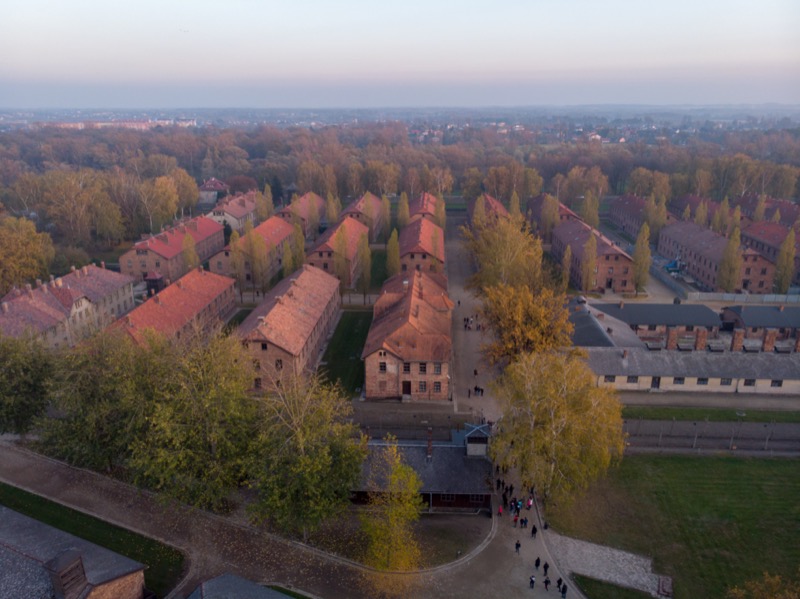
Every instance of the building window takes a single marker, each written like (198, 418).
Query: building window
(437, 387)
(406, 367)
(476, 498)
(633, 379)
(726, 382)
(609, 378)
(423, 386)
(257, 383)
(382, 367)
(749, 382)
(763, 271)
(263, 347)
(448, 497)
(278, 364)
(678, 380)
(423, 368)
(776, 383)
(651, 327)
(702, 380)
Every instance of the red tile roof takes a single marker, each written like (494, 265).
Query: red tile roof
(353, 231)
(535, 207)
(274, 231)
(303, 205)
(424, 205)
(413, 323)
(419, 235)
(176, 305)
(291, 310)
(39, 309)
(170, 242)
(360, 206)
(237, 206)
(629, 204)
(214, 185)
(575, 233)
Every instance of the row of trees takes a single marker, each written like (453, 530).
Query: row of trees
(558, 429)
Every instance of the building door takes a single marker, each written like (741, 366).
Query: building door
(655, 382)
(406, 387)
(609, 283)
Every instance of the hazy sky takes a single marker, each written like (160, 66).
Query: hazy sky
(363, 53)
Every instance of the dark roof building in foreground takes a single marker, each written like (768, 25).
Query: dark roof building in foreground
(661, 315)
(229, 586)
(38, 561)
(756, 320)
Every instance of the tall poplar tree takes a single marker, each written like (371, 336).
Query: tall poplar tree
(402, 211)
(393, 255)
(642, 258)
(365, 263)
(589, 264)
(730, 267)
(784, 266)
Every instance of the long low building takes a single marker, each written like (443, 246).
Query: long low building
(635, 369)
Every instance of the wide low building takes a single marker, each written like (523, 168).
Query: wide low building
(67, 309)
(782, 322)
(286, 333)
(163, 254)
(274, 231)
(701, 251)
(409, 347)
(329, 251)
(613, 269)
(196, 304)
(422, 247)
(635, 369)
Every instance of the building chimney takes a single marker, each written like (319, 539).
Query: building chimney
(72, 268)
(621, 305)
(430, 443)
(770, 335)
(67, 575)
(6, 308)
(737, 343)
(157, 299)
(102, 264)
(700, 339)
(600, 315)
(624, 354)
(38, 283)
(405, 285)
(797, 341)
(780, 308)
(672, 338)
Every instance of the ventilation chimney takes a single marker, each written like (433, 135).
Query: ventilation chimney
(67, 575)
(737, 342)
(6, 308)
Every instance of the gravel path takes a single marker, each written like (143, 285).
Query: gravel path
(604, 563)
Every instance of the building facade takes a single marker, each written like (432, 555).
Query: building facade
(163, 253)
(308, 211)
(327, 253)
(367, 210)
(766, 238)
(235, 211)
(422, 247)
(286, 333)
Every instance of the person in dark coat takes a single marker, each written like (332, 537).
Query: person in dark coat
(533, 531)
(546, 584)
(546, 567)
(558, 584)
(563, 591)
(532, 580)
(517, 546)
(537, 562)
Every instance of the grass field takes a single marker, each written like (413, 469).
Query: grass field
(343, 356)
(710, 414)
(710, 523)
(597, 589)
(164, 564)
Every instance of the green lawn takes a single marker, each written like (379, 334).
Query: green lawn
(378, 272)
(343, 357)
(164, 563)
(710, 414)
(710, 523)
(597, 589)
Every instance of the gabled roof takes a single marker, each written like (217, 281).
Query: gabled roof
(535, 208)
(629, 204)
(175, 306)
(214, 184)
(303, 206)
(768, 316)
(661, 314)
(27, 544)
(769, 233)
(169, 243)
(449, 470)
(576, 233)
(38, 309)
(424, 205)
(368, 204)
(422, 235)
(237, 206)
(291, 310)
(414, 325)
(428, 286)
(790, 211)
(700, 240)
(353, 231)
(274, 231)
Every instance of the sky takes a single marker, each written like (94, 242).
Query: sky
(396, 53)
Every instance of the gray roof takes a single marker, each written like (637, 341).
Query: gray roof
(228, 586)
(768, 316)
(449, 471)
(588, 331)
(643, 362)
(662, 314)
(27, 544)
